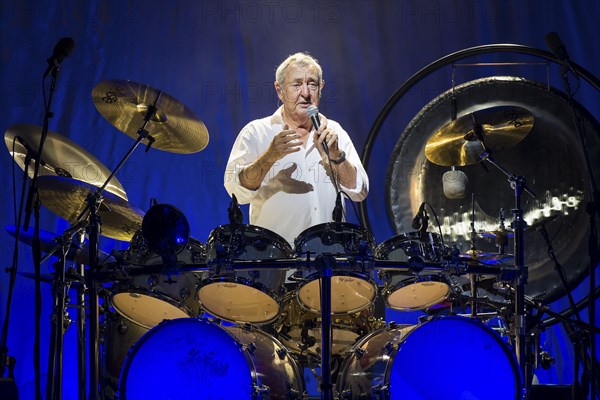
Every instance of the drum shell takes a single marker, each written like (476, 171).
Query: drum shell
(229, 294)
(347, 329)
(448, 357)
(147, 299)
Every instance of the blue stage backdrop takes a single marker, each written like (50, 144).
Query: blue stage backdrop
(218, 58)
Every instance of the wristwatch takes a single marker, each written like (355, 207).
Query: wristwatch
(339, 160)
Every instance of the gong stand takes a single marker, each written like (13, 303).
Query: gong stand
(518, 184)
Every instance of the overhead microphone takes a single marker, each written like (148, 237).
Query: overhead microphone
(556, 46)
(62, 50)
(313, 113)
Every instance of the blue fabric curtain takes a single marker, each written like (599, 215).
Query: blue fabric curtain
(219, 58)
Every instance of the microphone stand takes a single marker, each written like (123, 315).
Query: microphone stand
(518, 184)
(593, 240)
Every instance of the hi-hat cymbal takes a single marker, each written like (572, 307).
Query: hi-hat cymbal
(60, 157)
(49, 240)
(500, 128)
(174, 127)
(67, 199)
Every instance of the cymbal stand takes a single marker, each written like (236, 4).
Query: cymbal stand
(518, 184)
(94, 201)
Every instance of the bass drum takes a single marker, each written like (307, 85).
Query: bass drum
(450, 358)
(197, 359)
(247, 297)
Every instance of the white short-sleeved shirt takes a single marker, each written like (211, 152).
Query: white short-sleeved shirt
(297, 192)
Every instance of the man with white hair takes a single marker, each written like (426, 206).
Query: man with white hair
(278, 164)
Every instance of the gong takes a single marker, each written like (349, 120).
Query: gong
(549, 158)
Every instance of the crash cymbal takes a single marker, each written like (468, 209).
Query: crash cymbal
(457, 144)
(174, 127)
(60, 157)
(48, 240)
(67, 198)
(486, 258)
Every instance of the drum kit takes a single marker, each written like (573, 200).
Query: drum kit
(241, 315)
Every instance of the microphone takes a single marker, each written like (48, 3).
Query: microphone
(556, 46)
(62, 50)
(454, 183)
(313, 113)
(417, 222)
(32, 153)
(338, 210)
(234, 212)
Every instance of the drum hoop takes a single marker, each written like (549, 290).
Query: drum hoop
(275, 238)
(136, 347)
(153, 294)
(341, 227)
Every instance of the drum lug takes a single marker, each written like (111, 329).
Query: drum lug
(381, 392)
(282, 353)
(261, 391)
(389, 348)
(359, 352)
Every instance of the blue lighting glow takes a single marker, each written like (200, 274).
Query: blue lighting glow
(186, 359)
(454, 358)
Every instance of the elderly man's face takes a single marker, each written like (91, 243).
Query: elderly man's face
(301, 88)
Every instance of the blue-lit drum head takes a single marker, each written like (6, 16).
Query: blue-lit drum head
(450, 358)
(187, 359)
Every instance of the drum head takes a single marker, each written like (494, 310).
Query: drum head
(238, 302)
(186, 359)
(454, 358)
(348, 294)
(411, 295)
(146, 310)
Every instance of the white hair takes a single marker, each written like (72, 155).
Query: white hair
(302, 59)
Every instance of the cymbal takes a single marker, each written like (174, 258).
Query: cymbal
(456, 144)
(67, 198)
(486, 258)
(174, 127)
(60, 157)
(49, 240)
(497, 232)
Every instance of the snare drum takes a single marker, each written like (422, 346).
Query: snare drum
(351, 291)
(251, 297)
(416, 292)
(196, 359)
(444, 358)
(297, 325)
(148, 299)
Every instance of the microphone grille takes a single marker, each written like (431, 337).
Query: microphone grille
(312, 111)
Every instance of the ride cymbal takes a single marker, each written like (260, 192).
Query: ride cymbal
(462, 141)
(60, 157)
(67, 198)
(172, 126)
